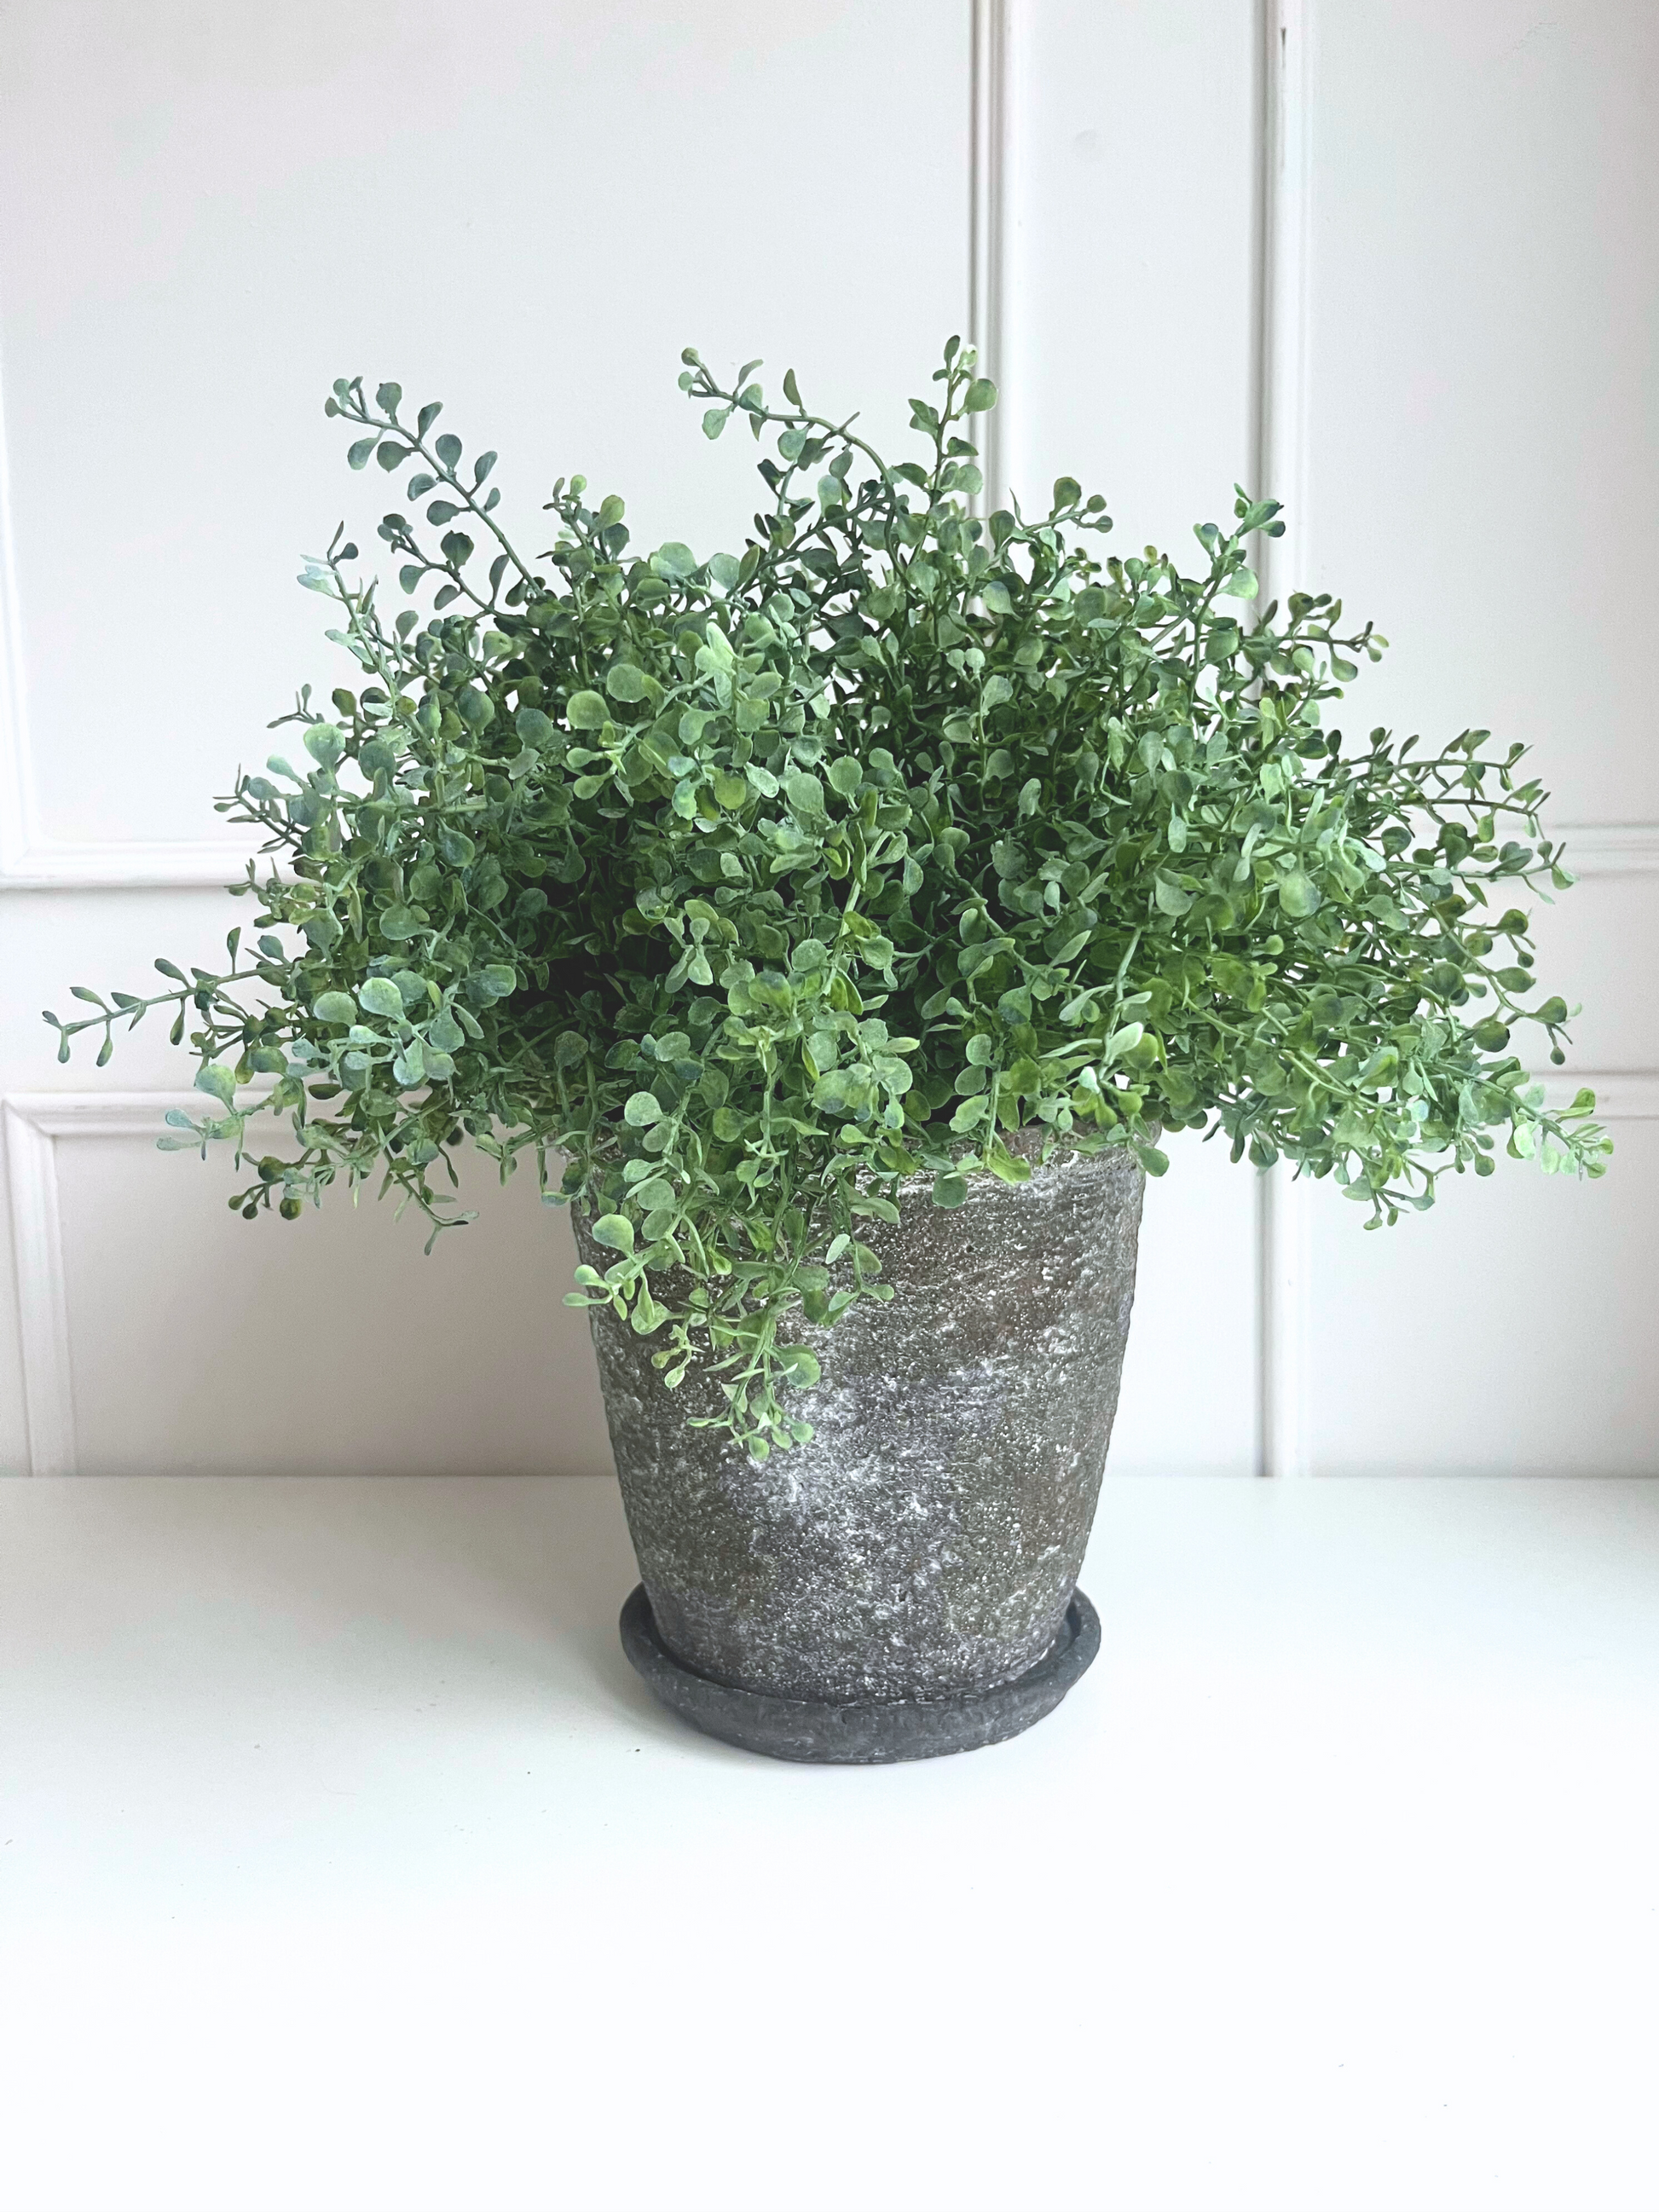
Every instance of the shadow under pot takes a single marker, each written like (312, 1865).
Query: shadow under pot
(905, 1583)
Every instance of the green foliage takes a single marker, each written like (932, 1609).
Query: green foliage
(741, 888)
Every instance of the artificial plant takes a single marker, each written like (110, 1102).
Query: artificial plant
(732, 891)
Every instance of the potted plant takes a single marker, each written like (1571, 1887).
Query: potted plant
(837, 928)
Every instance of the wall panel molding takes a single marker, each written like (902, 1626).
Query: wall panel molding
(1281, 463)
(33, 863)
(987, 225)
(30, 860)
(35, 1124)
(42, 1306)
(1595, 849)
(1621, 1094)
(1608, 848)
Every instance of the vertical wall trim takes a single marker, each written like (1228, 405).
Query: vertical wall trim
(1281, 472)
(42, 1306)
(987, 226)
(1282, 278)
(1282, 1292)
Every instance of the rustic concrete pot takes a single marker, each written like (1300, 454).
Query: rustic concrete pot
(903, 1585)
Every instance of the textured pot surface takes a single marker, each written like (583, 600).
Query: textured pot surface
(927, 1542)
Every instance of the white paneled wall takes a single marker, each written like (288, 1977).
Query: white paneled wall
(1481, 461)
(526, 209)
(1401, 257)
(366, 1358)
(1514, 1336)
(1128, 356)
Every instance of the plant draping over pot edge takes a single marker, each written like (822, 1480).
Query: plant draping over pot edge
(748, 886)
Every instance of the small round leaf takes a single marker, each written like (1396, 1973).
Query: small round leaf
(380, 995)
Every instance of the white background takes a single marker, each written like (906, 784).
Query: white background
(1418, 240)
(343, 1863)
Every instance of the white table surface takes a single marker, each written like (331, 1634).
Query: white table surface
(343, 1863)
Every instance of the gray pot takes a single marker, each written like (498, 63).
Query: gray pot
(904, 1583)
